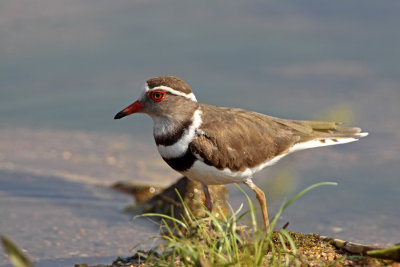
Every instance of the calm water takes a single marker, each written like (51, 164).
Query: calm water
(67, 68)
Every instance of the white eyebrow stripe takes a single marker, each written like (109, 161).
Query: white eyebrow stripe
(172, 91)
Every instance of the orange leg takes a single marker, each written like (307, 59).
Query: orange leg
(261, 199)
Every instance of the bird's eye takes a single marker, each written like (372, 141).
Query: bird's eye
(157, 95)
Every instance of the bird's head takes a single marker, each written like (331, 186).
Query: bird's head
(164, 96)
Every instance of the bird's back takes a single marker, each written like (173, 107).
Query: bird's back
(241, 139)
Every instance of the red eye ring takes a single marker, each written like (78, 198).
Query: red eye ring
(158, 95)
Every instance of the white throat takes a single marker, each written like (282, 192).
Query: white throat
(163, 125)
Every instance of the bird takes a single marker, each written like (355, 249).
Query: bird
(222, 145)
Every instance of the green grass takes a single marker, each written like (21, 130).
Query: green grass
(15, 254)
(211, 241)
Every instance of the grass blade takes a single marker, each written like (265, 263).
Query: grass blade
(17, 257)
(290, 240)
(287, 204)
(217, 240)
(161, 216)
(252, 211)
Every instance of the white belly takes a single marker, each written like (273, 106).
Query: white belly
(210, 175)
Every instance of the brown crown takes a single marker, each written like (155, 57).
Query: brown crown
(169, 81)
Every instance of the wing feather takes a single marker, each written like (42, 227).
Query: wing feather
(240, 139)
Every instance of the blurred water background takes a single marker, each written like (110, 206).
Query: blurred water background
(68, 66)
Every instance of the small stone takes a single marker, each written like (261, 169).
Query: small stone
(337, 229)
(66, 155)
(354, 248)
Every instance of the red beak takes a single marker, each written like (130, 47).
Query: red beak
(135, 107)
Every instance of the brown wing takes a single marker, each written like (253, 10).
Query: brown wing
(309, 130)
(240, 139)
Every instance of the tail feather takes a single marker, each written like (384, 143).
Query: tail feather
(320, 133)
(340, 132)
(328, 136)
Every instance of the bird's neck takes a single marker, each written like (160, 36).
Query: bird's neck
(164, 126)
(169, 130)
